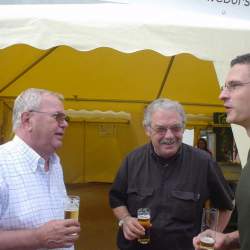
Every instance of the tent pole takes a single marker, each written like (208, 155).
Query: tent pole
(47, 53)
(164, 80)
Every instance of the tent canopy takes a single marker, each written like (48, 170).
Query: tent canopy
(124, 27)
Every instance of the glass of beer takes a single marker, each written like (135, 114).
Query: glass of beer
(209, 225)
(71, 207)
(143, 216)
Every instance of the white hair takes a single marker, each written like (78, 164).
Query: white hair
(165, 104)
(28, 100)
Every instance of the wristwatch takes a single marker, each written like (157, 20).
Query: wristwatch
(121, 221)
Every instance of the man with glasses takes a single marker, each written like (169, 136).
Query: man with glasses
(236, 97)
(32, 190)
(170, 178)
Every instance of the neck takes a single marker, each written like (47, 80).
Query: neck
(248, 131)
(46, 166)
(28, 141)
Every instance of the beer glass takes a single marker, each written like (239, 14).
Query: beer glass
(143, 216)
(71, 207)
(209, 221)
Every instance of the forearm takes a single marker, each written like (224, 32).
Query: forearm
(224, 217)
(121, 212)
(19, 240)
(233, 240)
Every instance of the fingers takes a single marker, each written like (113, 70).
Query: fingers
(59, 233)
(132, 229)
(71, 222)
(72, 226)
(72, 230)
(196, 242)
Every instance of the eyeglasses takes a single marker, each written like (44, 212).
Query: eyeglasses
(233, 85)
(163, 130)
(58, 116)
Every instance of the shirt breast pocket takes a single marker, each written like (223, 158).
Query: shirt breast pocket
(139, 198)
(184, 205)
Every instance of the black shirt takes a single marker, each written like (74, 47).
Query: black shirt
(174, 189)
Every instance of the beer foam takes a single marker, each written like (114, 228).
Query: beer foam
(143, 216)
(207, 240)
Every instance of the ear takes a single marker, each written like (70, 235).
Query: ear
(147, 131)
(25, 120)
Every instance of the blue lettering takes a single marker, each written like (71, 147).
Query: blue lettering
(246, 3)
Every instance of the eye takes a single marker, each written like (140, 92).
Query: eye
(233, 85)
(176, 128)
(60, 117)
(160, 130)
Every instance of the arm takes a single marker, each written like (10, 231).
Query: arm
(121, 212)
(224, 217)
(130, 225)
(53, 234)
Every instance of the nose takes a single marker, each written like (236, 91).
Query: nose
(64, 124)
(223, 95)
(168, 133)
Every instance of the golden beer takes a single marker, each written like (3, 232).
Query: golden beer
(143, 216)
(145, 239)
(71, 214)
(71, 207)
(207, 243)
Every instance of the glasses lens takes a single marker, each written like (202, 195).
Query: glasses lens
(61, 117)
(163, 130)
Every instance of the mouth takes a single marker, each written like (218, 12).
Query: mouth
(228, 108)
(59, 134)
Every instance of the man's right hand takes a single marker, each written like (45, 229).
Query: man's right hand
(132, 229)
(58, 233)
(221, 242)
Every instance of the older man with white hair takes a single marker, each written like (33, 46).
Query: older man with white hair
(32, 189)
(172, 179)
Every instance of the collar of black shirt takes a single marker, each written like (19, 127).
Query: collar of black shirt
(162, 160)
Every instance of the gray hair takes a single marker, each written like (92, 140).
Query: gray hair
(29, 99)
(242, 59)
(165, 104)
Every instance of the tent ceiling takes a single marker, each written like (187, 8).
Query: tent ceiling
(108, 75)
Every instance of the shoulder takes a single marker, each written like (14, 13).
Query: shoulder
(7, 152)
(138, 152)
(190, 151)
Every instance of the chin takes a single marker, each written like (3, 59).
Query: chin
(168, 153)
(57, 145)
(232, 120)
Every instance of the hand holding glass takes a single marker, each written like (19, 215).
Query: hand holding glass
(209, 221)
(143, 216)
(71, 207)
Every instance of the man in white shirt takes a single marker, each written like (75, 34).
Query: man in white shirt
(32, 189)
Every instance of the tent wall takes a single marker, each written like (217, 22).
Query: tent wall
(93, 151)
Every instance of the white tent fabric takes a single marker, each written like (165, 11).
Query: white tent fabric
(130, 27)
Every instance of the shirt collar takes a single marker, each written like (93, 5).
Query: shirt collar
(33, 159)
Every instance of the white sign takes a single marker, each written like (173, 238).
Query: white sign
(188, 137)
(228, 8)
